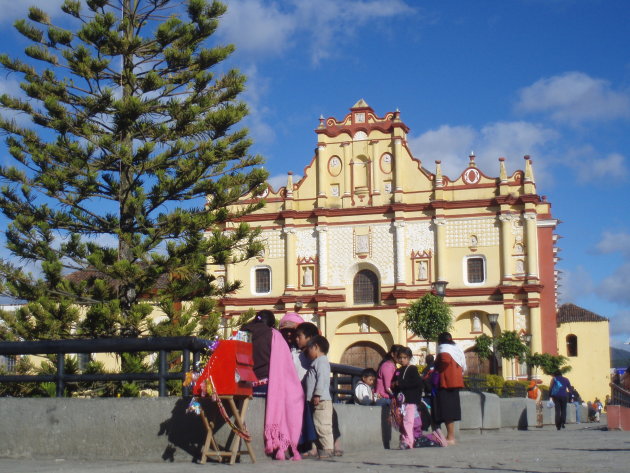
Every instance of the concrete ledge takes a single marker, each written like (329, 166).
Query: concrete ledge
(492, 412)
(472, 418)
(518, 413)
(159, 429)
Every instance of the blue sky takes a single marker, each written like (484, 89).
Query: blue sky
(548, 78)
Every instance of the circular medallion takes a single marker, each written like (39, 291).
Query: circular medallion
(386, 163)
(334, 166)
(472, 176)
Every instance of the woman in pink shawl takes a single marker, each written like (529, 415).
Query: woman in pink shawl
(386, 371)
(285, 399)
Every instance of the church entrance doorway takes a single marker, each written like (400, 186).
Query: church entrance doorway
(363, 355)
(473, 366)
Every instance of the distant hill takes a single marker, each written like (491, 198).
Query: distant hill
(619, 358)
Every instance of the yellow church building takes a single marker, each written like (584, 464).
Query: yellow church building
(369, 229)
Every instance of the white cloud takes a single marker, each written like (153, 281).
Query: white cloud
(15, 9)
(620, 329)
(615, 287)
(574, 97)
(11, 87)
(575, 284)
(592, 167)
(256, 121)
(280, 180)
(512, 140)
(612, 242)
(449, 144)
(258, 27)
(266, 28)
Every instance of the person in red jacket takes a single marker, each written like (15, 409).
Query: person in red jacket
(450, 364)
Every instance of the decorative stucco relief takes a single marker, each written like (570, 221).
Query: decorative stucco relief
(383, 252)
(306, 243)
(420, 237)
(341, 253)
(274, 243)
(521, 313)
(517, 229)
(458, 232)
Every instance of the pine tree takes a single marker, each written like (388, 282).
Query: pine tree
(128, 163)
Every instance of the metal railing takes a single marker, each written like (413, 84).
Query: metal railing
(480, 384)
(187, 345)
(344, 379)
(619, 396)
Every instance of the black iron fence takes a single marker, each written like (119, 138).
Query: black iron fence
(188, 346)
(344, 379)
(619, 396)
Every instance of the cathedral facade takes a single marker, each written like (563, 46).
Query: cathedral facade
(369, 229)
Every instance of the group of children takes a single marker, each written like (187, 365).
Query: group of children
(397, 384)
(309, 350)
(409, 394)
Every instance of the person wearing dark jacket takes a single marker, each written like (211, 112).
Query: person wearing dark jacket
(559, 389)
(260, 328)
(408, 388)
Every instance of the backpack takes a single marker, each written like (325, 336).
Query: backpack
(556, 389)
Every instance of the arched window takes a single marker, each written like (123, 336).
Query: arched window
(474, 270)
(572, 348)
(261, 280)
(365, 287)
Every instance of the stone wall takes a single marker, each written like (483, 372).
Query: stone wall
(159, 429)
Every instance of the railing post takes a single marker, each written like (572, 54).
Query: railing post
(162, 374)
(185, 369)
(61, 358)
(335, 393)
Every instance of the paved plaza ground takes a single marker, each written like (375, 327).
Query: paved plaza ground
(581, 448)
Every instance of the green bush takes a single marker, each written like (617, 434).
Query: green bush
(515, 388)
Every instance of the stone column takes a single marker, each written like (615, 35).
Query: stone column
(531, 238)
(398, 172)
(506, 245)
(440, 249)
(402, 330)
(321, 170)
(346, 169)
(509, 318)
(536, 328)
(376, 169)
(322, 254)
(508, 323)
(399, 227)
(290, 267)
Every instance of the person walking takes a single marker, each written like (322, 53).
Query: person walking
(559, 389)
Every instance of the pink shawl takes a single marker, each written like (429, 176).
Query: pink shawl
(285, 402)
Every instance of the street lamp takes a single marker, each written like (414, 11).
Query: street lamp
(440, 288)
(493, 319)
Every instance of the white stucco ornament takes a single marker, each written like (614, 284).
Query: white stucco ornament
(471, 176)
